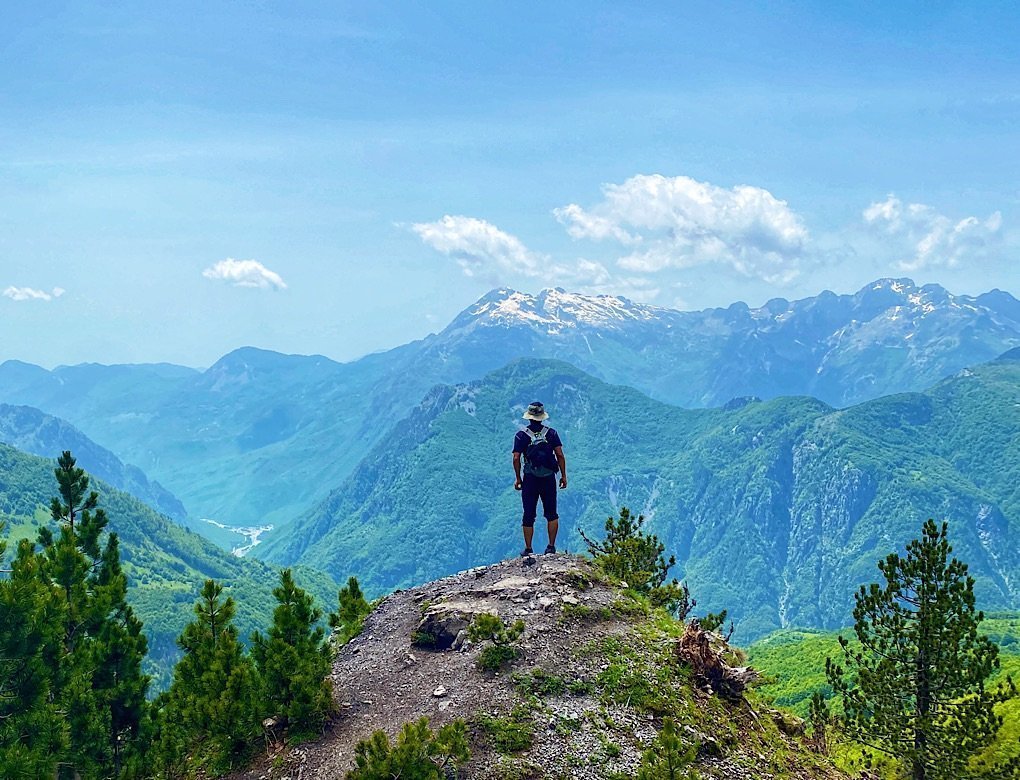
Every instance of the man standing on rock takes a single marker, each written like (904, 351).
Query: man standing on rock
(542, 453)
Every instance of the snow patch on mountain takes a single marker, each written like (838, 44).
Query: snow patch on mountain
(555, 309)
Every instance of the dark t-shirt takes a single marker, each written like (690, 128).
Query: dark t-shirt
(522, 440)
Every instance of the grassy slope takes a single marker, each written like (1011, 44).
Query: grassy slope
(165, 563)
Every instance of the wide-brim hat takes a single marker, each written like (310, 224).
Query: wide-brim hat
(536, 411)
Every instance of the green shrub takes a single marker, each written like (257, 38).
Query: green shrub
(540, 683)
(582, 613)
(509, 735)
(417, 755)
(352, 610)
(489, 628)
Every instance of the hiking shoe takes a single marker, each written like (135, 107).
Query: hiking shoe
(550, 549)
(526, 552)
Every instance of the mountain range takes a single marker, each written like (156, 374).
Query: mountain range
(260, 437)
(777, 510)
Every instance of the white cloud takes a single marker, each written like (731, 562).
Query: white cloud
(245, 273)
(483, 250)
(31, 294)
(929, 239)
(479, 246)
(679, 223)
(584, 224)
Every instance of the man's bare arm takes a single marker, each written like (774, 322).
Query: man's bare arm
(561, 459)
(517, 471)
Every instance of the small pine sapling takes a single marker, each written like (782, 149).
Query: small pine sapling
(349, 618)
(668, 758)
(820, 718)
(714, 621)
(637, 558)
(419, 754)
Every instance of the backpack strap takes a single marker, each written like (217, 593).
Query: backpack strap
(539, 435)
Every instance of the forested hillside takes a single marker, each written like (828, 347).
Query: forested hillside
(166, 564)
(37, 433)
(792, 663)
(775, 509)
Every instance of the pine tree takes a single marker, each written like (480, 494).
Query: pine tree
(213, 693)
(293, 662)
(630, 554)
(820, 718)
(668, 758)
(915, 689)
(119, 651)
(32, 732)
(350, 616)
(418, 754)
(98, 682)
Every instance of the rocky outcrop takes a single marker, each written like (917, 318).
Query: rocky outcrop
(594, 675)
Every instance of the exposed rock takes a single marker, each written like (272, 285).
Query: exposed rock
(442, 623)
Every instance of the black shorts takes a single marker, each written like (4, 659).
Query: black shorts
(534, 488)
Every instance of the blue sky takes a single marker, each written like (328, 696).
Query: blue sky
(178, 180)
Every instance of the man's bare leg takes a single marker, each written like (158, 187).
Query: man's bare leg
(554, 527)
(529, 534)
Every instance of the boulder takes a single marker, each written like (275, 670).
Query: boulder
(442, 623)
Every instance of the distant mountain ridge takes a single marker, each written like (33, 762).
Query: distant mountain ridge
(260, 437)
(891, 336)
(37, 433)
(777, 509)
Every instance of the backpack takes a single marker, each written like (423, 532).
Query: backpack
(539, 457)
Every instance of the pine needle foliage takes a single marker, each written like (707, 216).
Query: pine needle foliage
(419, 754)
(293, 663)
(820, 718)
(915, 687)
(349, 618)
(501, 650)
(32, 732)
(97, 661)
(668, 758)
(213, 694)
(637, 558)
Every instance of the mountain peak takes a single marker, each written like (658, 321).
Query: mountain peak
(554, 308)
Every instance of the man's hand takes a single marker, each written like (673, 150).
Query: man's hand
(517, 484)
(563, 482)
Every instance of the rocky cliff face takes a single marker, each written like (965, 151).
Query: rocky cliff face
(594, 676)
